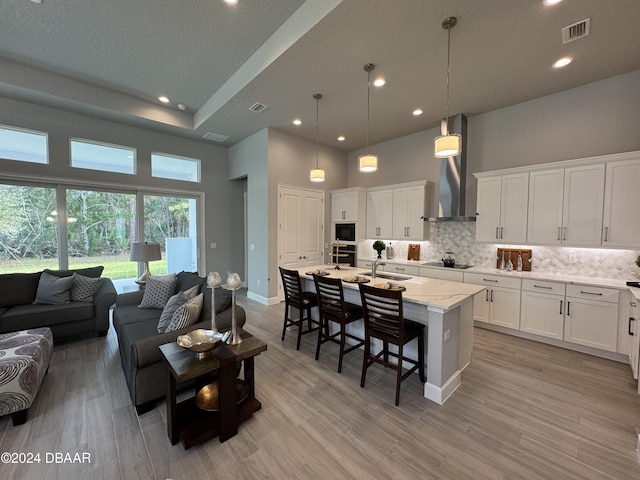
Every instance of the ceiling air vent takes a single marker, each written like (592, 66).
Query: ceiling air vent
(576, 31)
(257, 107)
(215, 137)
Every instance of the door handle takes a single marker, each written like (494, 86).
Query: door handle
(631, 319)
(560, 307)
(568, 309)
(606, 234)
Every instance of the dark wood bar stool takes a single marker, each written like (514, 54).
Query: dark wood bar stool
(333, 308)
(303, 301)
(384, 320)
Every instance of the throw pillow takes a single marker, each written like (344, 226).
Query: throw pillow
(157, 291)
(186, 315)
(84, 288)
(173, 304)
(53, 290)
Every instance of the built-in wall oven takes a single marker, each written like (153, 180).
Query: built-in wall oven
(344, 232)
(344, 253)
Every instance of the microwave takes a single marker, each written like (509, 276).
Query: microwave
(345, 232)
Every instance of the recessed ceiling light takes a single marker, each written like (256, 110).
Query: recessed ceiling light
(378, 82)
(417, 112)
(549, 3)
(181, 106)
(232, 2)
(36, 1)
(163, 99)
(562, 62)
(297, 121)
(342, 138)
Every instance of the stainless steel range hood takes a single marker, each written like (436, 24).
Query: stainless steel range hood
(453, 174)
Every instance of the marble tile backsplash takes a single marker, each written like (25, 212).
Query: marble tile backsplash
(459, 237)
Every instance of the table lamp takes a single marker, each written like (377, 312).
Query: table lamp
(145, 253)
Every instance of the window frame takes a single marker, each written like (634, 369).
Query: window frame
(134, 150)
(182, 158)
(33, 132)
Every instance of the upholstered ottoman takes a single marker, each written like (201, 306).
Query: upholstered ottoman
(24, 360)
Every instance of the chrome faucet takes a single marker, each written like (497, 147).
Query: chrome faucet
(374, 266)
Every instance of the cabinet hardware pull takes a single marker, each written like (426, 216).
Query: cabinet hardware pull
(398, 269)
(564, 237)
(631, 319)
(559, 228)
(633, 304)
(568, 309)
(486, 295)
(501, 231)
(497, 232)
(492, 295)
(408, 230)
(606, 234)
(542, 286)
(560, 307)
(590, 293)
(490, 280)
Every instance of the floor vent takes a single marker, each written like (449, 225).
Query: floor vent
(257, 107)
(215, 137)
(576, 31)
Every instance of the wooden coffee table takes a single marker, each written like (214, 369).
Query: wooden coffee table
(193, 425)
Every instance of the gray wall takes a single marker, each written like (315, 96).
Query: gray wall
(595, 119)
(61, 125)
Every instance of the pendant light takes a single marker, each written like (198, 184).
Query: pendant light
(448, 145)
(317, 174)
(368, 163)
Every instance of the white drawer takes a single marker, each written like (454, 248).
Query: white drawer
(365, 263)
(404, 269)
(442, 274)
(492, 280)
(543, 286)
(593, 293)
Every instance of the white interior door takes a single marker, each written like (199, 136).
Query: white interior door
(301, 228)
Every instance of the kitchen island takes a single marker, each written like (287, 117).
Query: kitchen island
(445, 307)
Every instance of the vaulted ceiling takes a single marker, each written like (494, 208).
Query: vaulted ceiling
(112, 59)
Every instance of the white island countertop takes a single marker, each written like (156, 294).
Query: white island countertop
(441, 294)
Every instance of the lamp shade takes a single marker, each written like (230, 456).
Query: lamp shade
(367, 163)
(448, 145)
(145, 252)
(316, 175)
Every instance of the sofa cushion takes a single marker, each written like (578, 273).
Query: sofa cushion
(187, 280)
(84, 288)
(186, 315)
(157, 291)
(53, 290)
(18, 288)
(223, 301)
(22, 317)
(93, 272)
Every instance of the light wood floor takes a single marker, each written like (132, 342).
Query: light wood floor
(525, 411)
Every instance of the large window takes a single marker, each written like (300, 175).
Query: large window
(28, 229)
(23, 145)
(175, 168)
(100, 228)
(102, 156)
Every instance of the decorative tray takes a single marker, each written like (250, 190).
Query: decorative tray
(208, 398)
(390, 286)
(356, 279)
(320, 273)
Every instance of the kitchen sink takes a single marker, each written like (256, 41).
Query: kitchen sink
(387, 276)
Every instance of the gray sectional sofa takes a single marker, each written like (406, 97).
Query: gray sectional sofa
(18, 312)
(139, 340)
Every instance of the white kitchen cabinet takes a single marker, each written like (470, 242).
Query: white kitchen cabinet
(634, 331)
(542, 308)
(442, 273)
(591, 317)
(565, 206)
(502, 208)
(409, 208)
(380, 213)
(348, 204)
(621, 200)
(500, 303)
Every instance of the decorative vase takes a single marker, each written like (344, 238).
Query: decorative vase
(233, 283)
(213, 281)
(379, 253)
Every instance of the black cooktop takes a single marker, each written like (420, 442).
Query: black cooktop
(457, 266)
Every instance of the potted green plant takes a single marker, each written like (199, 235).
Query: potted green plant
(638, 261)
(379, 246)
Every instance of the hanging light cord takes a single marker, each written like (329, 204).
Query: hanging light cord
(368, 103)
(448, 67)
(317, 96)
